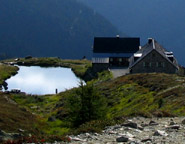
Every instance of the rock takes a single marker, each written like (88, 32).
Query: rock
(129, 135)
(183, 122)
(133, 142)
(117, 127)
(21, 130)
(96, 134)
(140, 128)
(112, 132)
(78, 139)
(122, 139)
(51, 119)
(152, 123)
(174, 127)
(8, 136)
(2, 133)
(144, 125)
(146, 140)
(172, 123)
(160, 133)
(131, 125)
(16, 135)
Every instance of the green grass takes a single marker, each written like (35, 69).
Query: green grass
(145, 95)
(6, 72)
(13, 117)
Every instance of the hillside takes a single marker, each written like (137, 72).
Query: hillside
(145, 95)
(63, 28)
(162, 20)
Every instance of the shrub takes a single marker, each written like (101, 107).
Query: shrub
(87, 104)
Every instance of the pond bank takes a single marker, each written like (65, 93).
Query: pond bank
(6, 71)
(79, 67)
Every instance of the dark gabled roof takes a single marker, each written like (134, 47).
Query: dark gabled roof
(154, 45)
(116, 45)
(150, 46)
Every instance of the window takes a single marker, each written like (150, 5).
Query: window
(111, 59)
(120, 59)
(144, 64)
(150, 64)
(160, 64)
(147, 64)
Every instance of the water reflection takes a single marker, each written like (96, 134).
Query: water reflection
(37, 80)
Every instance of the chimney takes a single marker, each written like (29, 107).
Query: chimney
(150, 40)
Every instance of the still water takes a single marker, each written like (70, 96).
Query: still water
(38, 80)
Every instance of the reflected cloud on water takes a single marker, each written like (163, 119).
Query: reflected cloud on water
(37, 80)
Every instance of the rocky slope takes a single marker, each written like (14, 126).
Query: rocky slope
(138, 130)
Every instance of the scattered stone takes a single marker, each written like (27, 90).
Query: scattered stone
(146, 140)
(176, 127)
(133, 142)
(78, 139)
(183, 122)
(152, 123)
(112, 132)
(172, 123)
(2, 133)
(96, 134)
(8, 136)
(122, 139)
(117, 127)
(140, 128)
(160, 133)
(130, 124)
(144, 125)
(21, 130)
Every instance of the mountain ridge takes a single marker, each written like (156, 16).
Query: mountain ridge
(63, 28)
